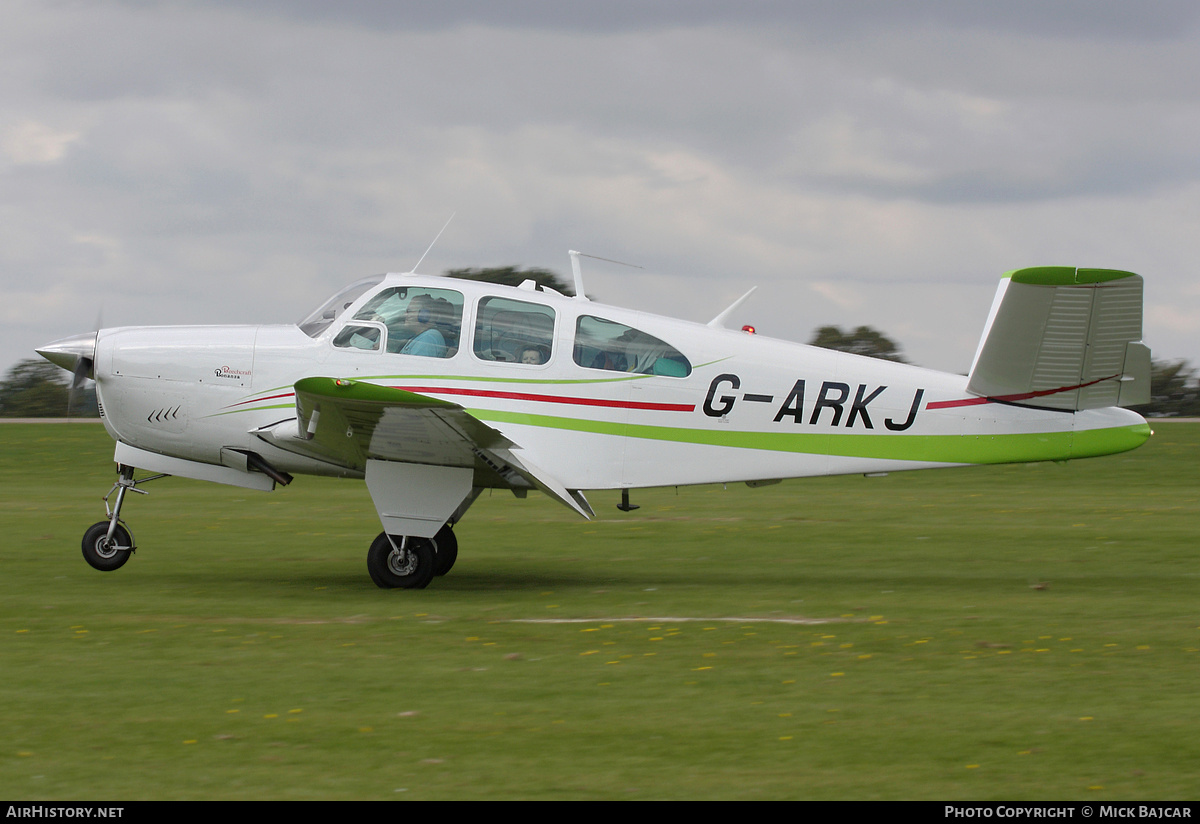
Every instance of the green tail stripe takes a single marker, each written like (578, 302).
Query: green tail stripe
(1065, 275)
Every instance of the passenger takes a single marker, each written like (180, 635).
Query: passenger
(610, 359)
(532, 355)
(620, 355)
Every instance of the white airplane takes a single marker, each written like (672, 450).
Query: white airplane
(434, 389)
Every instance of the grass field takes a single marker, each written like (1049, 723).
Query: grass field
(1014, 632)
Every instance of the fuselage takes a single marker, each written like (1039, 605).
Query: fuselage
(619, 399)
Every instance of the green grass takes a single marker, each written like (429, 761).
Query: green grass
(1012, 632)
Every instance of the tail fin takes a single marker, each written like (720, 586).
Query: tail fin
(1064, 338)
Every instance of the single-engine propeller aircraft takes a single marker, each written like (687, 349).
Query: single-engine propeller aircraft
(435, 389)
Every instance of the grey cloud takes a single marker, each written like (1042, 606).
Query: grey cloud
(1154, 20)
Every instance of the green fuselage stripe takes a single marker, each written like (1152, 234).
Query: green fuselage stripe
(980, 449)
(253, 409)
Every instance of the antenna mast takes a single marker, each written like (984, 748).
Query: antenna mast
(577, 270)
(435, 240)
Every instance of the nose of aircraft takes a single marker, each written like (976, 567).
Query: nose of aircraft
(76, 354)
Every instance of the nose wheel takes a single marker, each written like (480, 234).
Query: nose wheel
(108, 544)
(105, 552)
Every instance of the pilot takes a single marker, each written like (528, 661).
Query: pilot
(420, 320)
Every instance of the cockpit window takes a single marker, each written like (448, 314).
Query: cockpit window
(605, 344)
(417, 321)
(514, 331)
(328, 312)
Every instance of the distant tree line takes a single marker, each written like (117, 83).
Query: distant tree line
(36, 388)
(861, 341)
(514, 276)
(1174, 391)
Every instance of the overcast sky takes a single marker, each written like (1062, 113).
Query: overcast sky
(861, 162)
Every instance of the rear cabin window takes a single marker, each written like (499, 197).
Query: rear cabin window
(605, 344)
(514, 331)
(414, 320)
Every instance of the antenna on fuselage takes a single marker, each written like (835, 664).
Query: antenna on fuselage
(719, 321)
(435, 240)
(577, 271)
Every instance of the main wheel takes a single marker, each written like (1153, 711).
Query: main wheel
(103, 554)
(447, 550)
(392, 568)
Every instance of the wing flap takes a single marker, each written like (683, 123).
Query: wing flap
(572, 499)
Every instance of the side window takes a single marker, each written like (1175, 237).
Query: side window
(418, 321)
(368, 336)
(514, 331)
(605, 344)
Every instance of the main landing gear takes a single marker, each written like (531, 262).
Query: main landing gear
(108, 544)
(408, 562)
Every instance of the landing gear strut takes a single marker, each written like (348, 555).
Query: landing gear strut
(108, 544)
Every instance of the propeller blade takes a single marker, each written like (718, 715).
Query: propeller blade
(83, 368)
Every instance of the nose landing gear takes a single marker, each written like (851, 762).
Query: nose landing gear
(108, 544)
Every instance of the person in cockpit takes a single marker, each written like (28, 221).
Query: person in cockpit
(420, 321)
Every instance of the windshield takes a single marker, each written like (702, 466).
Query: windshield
(327, 312)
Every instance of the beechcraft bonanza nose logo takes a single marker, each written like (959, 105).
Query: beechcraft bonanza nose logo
(232, 374)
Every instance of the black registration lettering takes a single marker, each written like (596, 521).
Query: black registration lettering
(725, 402)
(859, 407)
(912, 414)
(825, 401)
(793, 405)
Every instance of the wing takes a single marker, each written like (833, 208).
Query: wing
(349, 423)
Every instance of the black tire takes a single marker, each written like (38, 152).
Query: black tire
(102, 555)
(447, 550)
(392, 569)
